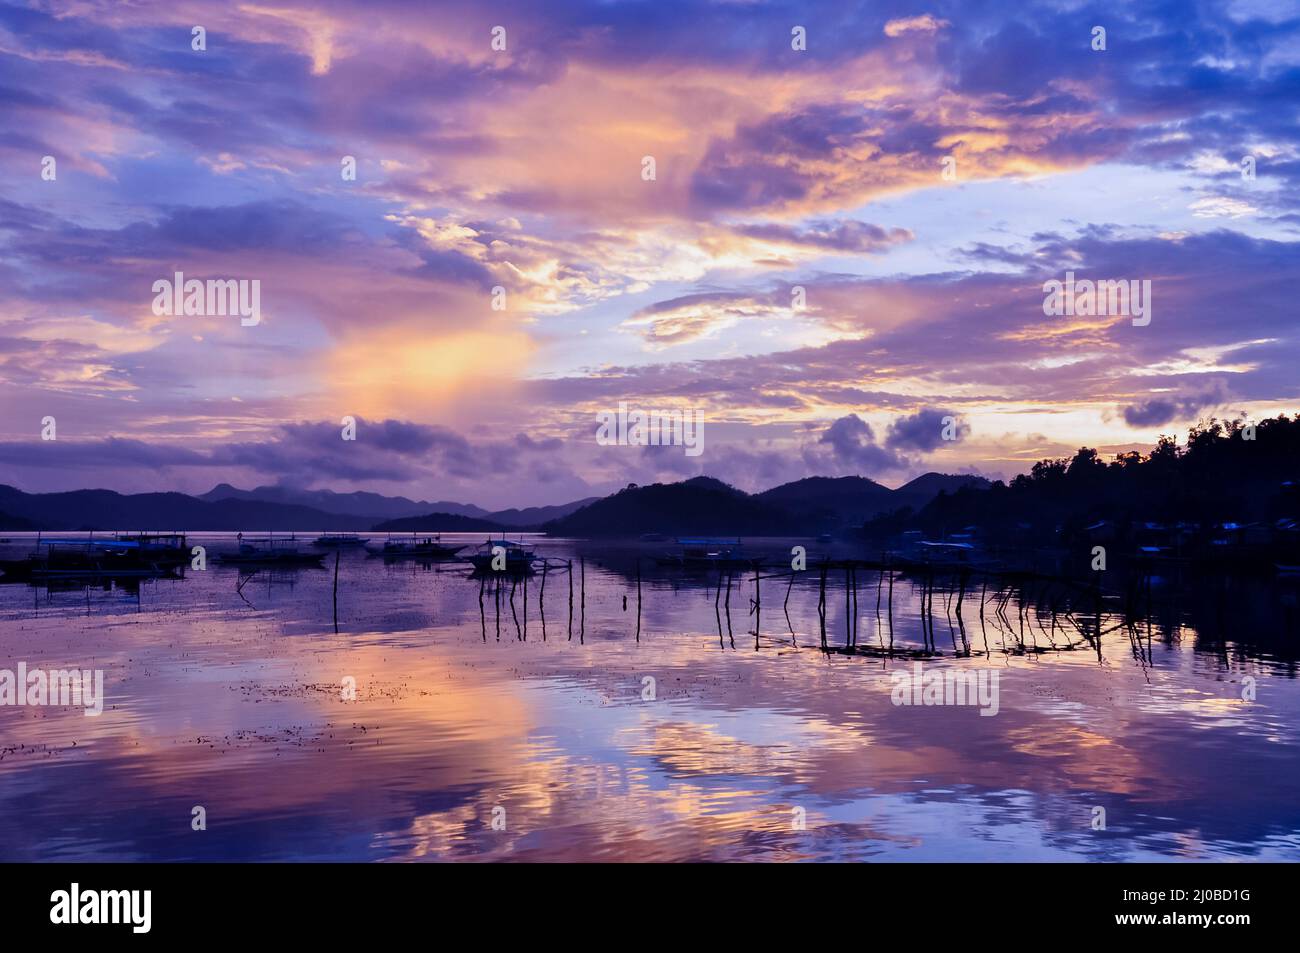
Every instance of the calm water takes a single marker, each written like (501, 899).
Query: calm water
(226, 691)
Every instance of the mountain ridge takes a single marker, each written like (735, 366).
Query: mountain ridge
(697, 505)
(704, 505)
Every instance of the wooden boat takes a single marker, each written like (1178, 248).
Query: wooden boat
(930, 555)
(166, 546)
(428, 547)
(86, 559)
(709, 553)
(270, 552)
(518, 558)
(340, 540)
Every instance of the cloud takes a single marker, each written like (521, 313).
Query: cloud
(690, 317)
(104, 453)
(853, 445)
(923, 431)
(1219, 206)
(1158, 411)
(925, 23)
(827, 235)
(303, 453)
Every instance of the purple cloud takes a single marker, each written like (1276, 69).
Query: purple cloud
(923, 431)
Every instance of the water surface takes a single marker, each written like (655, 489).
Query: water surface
(226, 691)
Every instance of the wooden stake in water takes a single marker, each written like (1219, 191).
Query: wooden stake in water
(541, 599)
(891, 609)
(717, 595)
(514, 582)
(336, 590)
(880, 581)
(848, 611)
(821, 604)
(482, 618)
(726, 606)
(856, 618)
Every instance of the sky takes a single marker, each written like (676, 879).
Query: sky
(822, 228)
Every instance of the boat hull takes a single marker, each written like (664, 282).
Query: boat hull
(281, 559)
(704, 564)
(520, 565)
(431, 552)
(107, 566)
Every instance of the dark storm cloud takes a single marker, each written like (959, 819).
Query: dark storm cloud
(1158, 411)
(852, 443)
(923, 431)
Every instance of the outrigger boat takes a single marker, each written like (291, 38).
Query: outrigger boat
(939, 554)
(518, 558)
(428, 547)
(709, 553)
(86, 559)
(339, 540)
(270, 551)
(167, 546)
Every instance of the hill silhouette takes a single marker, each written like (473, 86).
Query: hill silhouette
(698, 506)
(108, 510)
(702, 505)
(706, 506)
(1220, 476)
(438, 523)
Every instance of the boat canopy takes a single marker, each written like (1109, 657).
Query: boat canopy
(90, 543)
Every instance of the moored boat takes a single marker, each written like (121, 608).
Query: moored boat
(166, 546)
(85, 559)
(502, 555)
(709, 553)
(340, 540)
(270, 551)
(427, 547)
